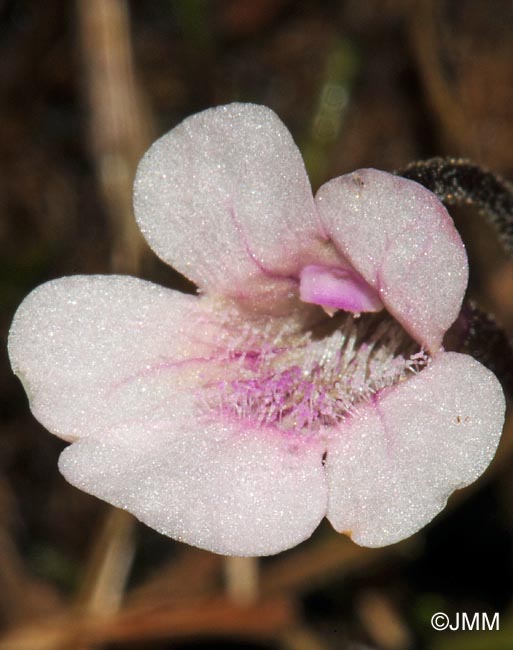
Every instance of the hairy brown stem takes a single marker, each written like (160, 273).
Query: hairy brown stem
(460, 182)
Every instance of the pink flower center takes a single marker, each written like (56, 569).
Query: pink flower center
(304, 382)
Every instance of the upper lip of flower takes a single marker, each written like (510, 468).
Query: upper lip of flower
(241, 222)
(169, 398)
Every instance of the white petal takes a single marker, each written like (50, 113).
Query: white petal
(392, 466)
(225, 199)
(213, 485)
(94, 351)
(403, 242)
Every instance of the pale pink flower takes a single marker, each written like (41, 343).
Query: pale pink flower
(237, 419)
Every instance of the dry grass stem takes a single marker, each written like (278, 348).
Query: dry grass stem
(120, 123)
(242, 579)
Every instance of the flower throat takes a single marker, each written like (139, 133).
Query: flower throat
(303, 382)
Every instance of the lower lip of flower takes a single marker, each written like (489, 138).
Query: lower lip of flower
(308, 382)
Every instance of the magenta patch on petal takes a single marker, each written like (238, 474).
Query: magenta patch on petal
(339, 288)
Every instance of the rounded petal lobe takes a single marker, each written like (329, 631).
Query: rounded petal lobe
(225, 199)
(393, 465)
(210, 485)
(94, 351)
(403, 242)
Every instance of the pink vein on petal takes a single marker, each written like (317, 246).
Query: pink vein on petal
(157, 367)
(251, 254)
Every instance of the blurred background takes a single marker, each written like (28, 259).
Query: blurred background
(85, 87)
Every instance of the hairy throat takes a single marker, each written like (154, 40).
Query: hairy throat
(304, 382)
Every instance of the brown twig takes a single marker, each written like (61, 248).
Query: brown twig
(266, 620)
(120, 123)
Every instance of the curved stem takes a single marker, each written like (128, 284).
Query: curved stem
(458, 182)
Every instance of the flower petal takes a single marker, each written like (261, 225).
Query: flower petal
(225, 199)
(122, 367)
(89, 349)
(401, 239)
(393, 465)
(211, 485)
